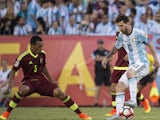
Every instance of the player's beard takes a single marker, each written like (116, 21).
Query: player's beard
(124, 31)
(37, 51)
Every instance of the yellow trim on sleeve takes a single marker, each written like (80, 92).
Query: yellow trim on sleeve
(43, 52)
(22, 55)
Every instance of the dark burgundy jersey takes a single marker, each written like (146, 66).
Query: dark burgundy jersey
(120, 61)
(32, 65)
(121, 53)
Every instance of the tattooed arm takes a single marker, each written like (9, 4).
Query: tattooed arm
(109, 55)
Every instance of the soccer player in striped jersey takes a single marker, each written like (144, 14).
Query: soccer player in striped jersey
(120, 67)
(37, 79)
(134, 41)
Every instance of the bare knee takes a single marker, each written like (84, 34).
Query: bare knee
(24, 90)
(59, 94)
(131, 73)
(120, 87)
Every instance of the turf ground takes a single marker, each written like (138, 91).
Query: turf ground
(62, 113)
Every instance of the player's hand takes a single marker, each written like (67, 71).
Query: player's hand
(55, 82)
(104, 62)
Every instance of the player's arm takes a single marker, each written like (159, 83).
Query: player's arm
(152, 50)
(10, 79)
(45, 71)
(125, 58)
(108, 56)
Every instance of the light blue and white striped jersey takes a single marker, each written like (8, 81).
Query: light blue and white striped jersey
(135, 46)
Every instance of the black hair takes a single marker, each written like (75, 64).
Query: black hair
(53, 2)
(34, 39)
(123, 18)
(133, 10)
(133, 2)
(42, 23)
(18, 18)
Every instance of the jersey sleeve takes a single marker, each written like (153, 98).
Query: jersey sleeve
(44, 57)
(145, 38)
(17, 65)
(119, 42)
(18, 62)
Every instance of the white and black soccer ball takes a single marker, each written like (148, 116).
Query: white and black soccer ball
(126, 112)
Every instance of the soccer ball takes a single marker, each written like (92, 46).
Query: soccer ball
(126, 112)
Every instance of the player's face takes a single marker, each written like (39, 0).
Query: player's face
(122, 27)
(100, 45)
(38, 47)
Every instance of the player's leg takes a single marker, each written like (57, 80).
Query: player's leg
(2, 91)
(24, 90)
(98, 82)
(113, 96)
(67, 100)
(140, 97)
(120, 96)
(46, 88)
(134, 74)
(116, 75)
(96, 96)
(132, 83)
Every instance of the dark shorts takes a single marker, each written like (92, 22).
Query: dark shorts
(102, 77)
(41, 86)
(116, 75)
(147, 79)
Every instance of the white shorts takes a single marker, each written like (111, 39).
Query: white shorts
(141, 71)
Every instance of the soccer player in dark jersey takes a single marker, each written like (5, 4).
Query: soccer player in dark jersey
(37, 79)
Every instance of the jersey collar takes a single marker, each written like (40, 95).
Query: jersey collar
(35, 56)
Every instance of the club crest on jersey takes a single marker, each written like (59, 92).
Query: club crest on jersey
(41, 60)
(16, 64)
(30, 62)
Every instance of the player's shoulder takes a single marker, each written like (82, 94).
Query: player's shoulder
(22, 55)
(43, 52)
(138, 31)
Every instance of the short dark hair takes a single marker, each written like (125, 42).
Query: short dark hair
(34, 39)
(123, 18)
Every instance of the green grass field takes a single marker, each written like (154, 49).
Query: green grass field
(62, 113)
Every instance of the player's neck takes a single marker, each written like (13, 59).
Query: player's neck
(101, 49)
(32, 51)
